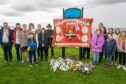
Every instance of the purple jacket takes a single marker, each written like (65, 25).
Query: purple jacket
(99, 42)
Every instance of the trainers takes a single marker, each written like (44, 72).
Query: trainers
(22, 62)
(119, 66)
(116, 63)
(124, 68)
(5, 61)
(30, 65)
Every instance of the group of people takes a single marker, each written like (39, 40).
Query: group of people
(30, 42)
(111, 44)
(34, 43)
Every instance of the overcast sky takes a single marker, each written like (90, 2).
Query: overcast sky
(111, 12)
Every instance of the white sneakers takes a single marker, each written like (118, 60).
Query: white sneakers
(119, 66)
(123, 67)
(30, 65)
(22, 62)
(5, 61)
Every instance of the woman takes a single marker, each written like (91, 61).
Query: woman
(97, 42)
(115, 36)
(16, 40)
(23, 41)
(104, 33)
(121, 47)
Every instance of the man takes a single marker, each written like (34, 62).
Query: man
(43, 44)
(38, 31)
(49, 33)
(6, 41)
(39, 28)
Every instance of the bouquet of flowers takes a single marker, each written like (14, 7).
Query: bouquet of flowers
(87, 68)
(69, 64)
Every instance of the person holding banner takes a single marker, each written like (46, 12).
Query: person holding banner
(6, 41)
(49, 33)
(97, 42)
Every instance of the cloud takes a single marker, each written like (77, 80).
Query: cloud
(12, 13)
(23, 8)
(105, 2)
(3, 2)
(42, 5)
(23, 5)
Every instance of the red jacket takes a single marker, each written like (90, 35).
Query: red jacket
(14, 35)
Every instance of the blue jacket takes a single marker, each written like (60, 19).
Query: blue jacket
(9, 37)
(110, 47)
(32, 43)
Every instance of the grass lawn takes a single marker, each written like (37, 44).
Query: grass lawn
(18, 73)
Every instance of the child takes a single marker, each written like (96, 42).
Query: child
(32, 45)
(121, 47)
(16, 39)
(111, 31)
(109, 49)
(43, 44)
(97, 42)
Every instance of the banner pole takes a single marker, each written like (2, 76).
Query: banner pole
(63, 48)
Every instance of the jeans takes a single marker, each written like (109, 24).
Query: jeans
(109, 60)
(96, 56)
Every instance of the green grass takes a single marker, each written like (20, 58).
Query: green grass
(18, 73)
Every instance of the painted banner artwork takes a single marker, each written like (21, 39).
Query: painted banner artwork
(72, 32)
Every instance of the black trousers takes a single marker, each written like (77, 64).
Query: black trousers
(122, 58)
(86, 51)
(17, 47)
(49, 45)
(115, 57)
(7, 51)
(44, 52)
(101, 57)
(32, 54)
(39, 51)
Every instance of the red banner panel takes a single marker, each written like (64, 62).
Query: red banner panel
(72, 32)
